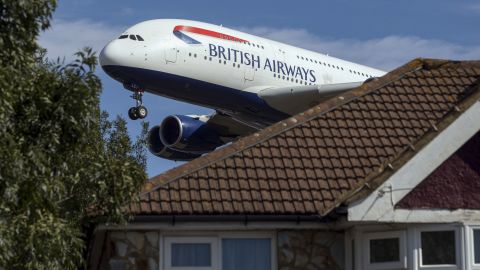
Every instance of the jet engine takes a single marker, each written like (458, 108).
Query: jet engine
(189, 134)
(183, 137)
(156, 147)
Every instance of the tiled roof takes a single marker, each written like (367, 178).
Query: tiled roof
(315, 161)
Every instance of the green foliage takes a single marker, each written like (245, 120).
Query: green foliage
(62, 162)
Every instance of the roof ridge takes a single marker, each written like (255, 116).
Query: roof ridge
(283, 126)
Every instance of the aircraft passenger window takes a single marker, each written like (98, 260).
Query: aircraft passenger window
(210, 58)
(220, 61)
(258, 46)
(189, 54)
(274, 75)
(224, 62)
(122, 36)
(132, 37)
(296, 80)
(195, 55)
(316, 62)
(328, 65)
(233, 64)
(139, 38)
(298, 57)
(302, 58)
(205, 57)
(263, 47)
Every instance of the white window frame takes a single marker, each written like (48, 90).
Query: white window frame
(471, 248)
(215, 238)
(458, 248)
(169, 240)
(401, 264)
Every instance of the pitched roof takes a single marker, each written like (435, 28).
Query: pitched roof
(312, 162)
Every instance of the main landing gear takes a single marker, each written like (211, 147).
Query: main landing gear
(139, 111)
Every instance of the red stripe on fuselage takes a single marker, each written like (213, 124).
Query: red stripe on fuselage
(206, 32)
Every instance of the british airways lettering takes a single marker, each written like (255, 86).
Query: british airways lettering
(249, 59)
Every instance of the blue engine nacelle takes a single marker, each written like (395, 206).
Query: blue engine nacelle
(188, 134)
(156, 147)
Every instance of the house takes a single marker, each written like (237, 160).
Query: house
(386, 176)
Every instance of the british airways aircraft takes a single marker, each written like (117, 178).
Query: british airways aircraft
(250, 82)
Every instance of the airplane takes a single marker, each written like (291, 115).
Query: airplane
(250, 82)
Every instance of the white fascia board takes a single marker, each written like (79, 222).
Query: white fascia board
(222, 226)
(379, 205)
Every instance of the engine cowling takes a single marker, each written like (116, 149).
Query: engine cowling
(156, 147)
(188, 134)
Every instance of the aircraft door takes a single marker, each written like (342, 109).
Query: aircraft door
(248, 73)
(171, 55)
(249, 70)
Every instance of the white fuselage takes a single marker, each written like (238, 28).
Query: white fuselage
(218, 67)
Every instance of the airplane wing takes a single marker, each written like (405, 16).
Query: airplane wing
(228, 127)
(291, 100)
(295, 99)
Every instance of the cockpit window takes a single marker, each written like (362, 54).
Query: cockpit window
(133, 37)
(123, 36)
(139, 38)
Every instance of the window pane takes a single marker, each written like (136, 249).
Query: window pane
(191, 254)
(384, 250)
(246, 253)
(438, 247)
(476, 245)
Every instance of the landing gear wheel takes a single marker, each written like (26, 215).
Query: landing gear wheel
(141, 112)
(133, 113)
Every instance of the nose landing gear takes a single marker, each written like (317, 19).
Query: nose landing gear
(139, 111)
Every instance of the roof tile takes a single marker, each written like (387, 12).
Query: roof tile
(308, 166)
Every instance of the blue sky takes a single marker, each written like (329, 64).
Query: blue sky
(380, 33)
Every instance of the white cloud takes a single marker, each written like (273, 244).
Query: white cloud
(65, 38)
(385, 53)
(474, 7)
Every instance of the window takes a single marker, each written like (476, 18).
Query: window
(191, 254)
(219, 251)
(195, 253)
(438, 248)
(476, 246)
(385, 250)
(139, 38)
(132, 37)
(122, 36)
(246, 253)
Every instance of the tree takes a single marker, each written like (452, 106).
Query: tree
(62, 162)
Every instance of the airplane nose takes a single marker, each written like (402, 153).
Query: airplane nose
(112, 54)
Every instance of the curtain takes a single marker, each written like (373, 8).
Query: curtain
(246, 254)
(191, 254)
